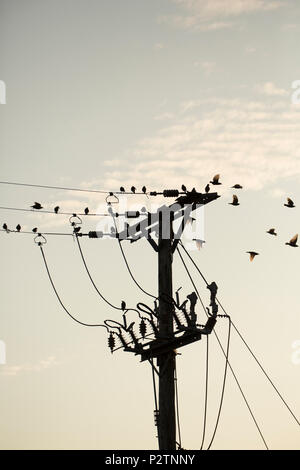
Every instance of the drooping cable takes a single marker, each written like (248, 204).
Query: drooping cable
(206, 393)
(59, 299)
(246, 344)
(91, 279)
(177, 405)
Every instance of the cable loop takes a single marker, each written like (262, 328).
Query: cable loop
(40, 240)
(75, 220)
(112, 199)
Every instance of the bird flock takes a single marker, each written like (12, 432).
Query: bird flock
(215, 182)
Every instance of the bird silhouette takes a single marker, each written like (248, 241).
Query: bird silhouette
(293, 241)
(290, 203)
(122, 189)
(4, 226)
(56, 209)
(37, 206)
(237, 186)
(76, 229)
(123, 305)
(133, 189)
(144, 189)
(34, 229)
(207, 188)
(215, 180)
(183, 187)
(86, 211)
(252, 254)
(235, 201)
(18, 228)
(271, 231)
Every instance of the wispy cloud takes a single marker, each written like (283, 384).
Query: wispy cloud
(43, 364)
(207, 15)
(270, 89)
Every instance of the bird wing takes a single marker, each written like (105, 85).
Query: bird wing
(294, 239)
(290, 201)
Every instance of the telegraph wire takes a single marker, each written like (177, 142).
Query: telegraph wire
(41, 211)
(177, 405)
(206, 393)
(246, 344)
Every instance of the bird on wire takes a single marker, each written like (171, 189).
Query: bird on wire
(252, 254)
(86, 211)
(183, 187)
(123, 305)
(56, 209)
(34, 229)
(290, 203)
(237, 186)
(215, 180)
(235, 201)
(133, 189)
(207, 188)
(4, 226)
(122, 189)
(37, 206)
(293, 241)
(18, 228)
(144, 189)
(271, 231)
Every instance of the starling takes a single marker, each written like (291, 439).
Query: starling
(252, 254)
(290, 203)
(293, 241)
(215, 180)
(183, 188)
(37, 206)
(237, 186)
(133, 189)
(56, 209)
(207, 188)
(271, 231)
(235, 201)
(34, 229)
(18, 228)
(4, 226)
(123, 305)
(144, 189)
(122, 189)
(86, 211)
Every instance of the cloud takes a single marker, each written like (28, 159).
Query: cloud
(23, 368)
(207, 15)
(255, 143)
(270, 89)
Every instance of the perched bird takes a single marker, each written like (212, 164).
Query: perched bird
(183, 188)
(271, 231)
(76, 229)
(215, 180)
(18, 228)
(122, 189)
(34, 229)
(235, 201)
(293, 241)
(123, 305)
(144, 189)
(237, 186)
(37, 205)
(4, 226)
(86, 211)
(133, 189)
(252, 254)
(56, 209)
(290, 203)
(207, 188)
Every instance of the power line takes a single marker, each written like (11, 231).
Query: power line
(24, 232)
(246, 344)
(206, 393)
(41, 211)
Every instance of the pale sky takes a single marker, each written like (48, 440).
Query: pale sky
(160, 93)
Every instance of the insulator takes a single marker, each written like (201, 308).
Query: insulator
(95, 234)
(111, 342)
(153, 193)
(132, 214)
(156, 417)
(170, 193)
(143, 328)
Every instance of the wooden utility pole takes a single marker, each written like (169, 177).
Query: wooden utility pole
(166, 362)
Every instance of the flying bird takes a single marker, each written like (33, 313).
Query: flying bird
(56, 209)
(34, 229)
(207, 188)
(215, 180)
(290, 203)
(144, 189)
(252, 254)
(293, 241)
(235, 201)
(133, 189)
(183, 188)
(86, 211)
(37, 206)
(18, 228)
(237, 186)
(271, 231)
